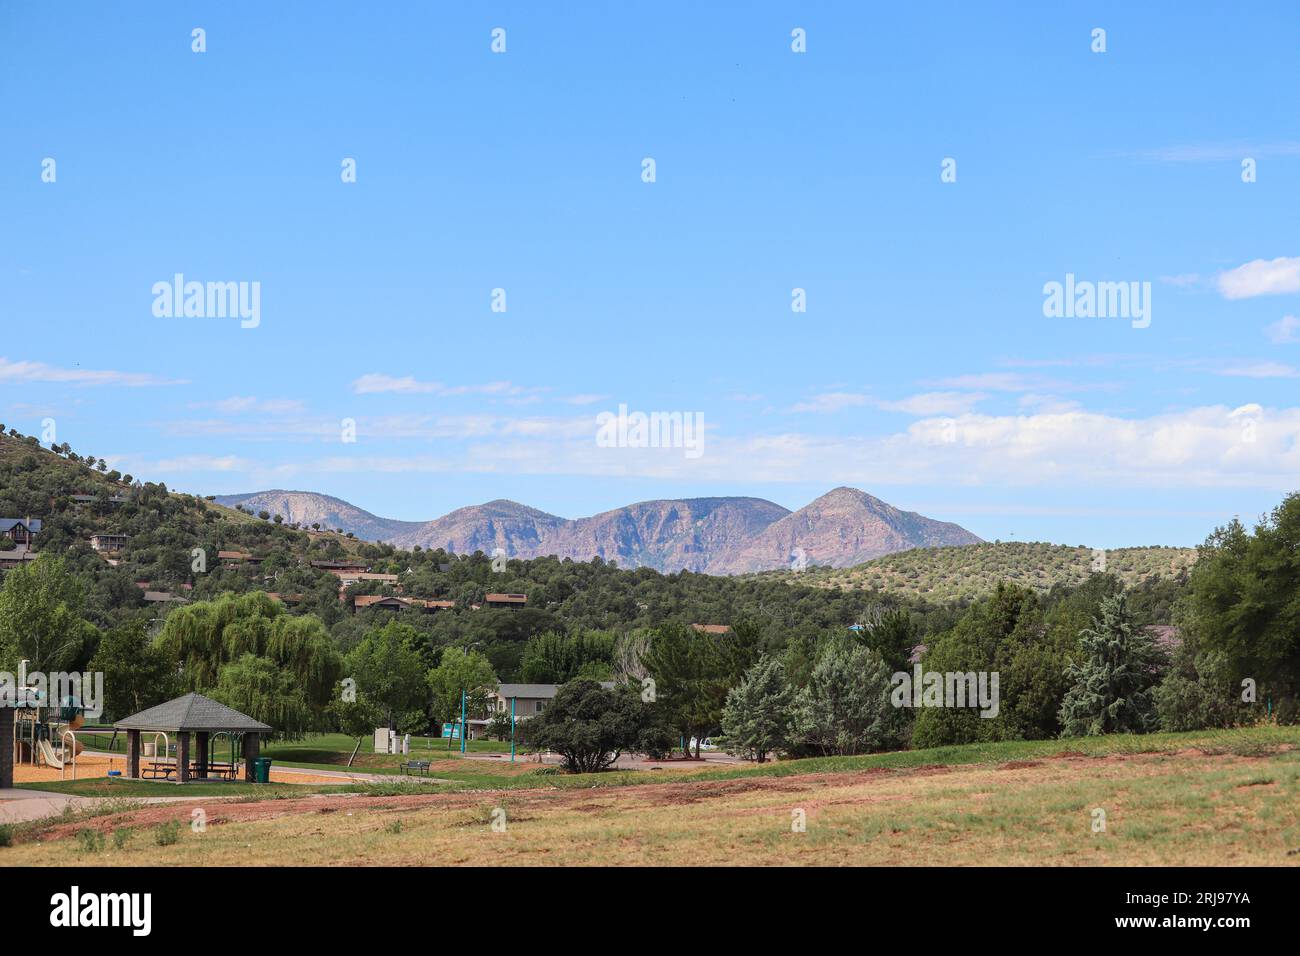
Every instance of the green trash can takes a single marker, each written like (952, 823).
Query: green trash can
(262, 770)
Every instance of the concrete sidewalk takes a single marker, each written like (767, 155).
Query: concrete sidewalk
(20, 806)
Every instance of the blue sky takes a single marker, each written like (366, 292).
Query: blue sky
(923, 371)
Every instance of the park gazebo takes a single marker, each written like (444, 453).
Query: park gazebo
(197, 715)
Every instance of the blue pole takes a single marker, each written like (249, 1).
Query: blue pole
(512, 730)
(462, 721)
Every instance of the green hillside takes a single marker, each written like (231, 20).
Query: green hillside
(165, 528)
(942, 575)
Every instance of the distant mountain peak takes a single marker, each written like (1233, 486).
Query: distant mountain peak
(714, 535)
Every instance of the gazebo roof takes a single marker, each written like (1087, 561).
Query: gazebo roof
(192, 712)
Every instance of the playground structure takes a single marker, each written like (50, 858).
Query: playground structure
(45, 734)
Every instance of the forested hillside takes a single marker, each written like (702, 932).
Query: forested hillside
(269, 633)
(964, 573)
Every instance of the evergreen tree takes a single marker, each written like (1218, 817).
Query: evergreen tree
(1112, 687)
(757, 717)
(845, 709)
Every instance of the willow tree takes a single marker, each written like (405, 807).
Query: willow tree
(245, 650)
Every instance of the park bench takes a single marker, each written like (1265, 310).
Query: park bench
(416, 767)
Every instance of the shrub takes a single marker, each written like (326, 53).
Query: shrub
(589, 725)
(90, 841)
(165, 834)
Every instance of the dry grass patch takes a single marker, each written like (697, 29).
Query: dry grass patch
(1180, 809)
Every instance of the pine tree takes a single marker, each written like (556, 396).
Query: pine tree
(756, 718)
(1112, 689)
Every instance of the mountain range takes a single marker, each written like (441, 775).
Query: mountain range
(733, 535)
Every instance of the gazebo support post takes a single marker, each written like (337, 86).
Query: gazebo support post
(183, 756)
(201, 757)
(251, 749)
(133, 753)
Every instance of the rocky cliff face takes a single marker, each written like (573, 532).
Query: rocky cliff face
(709, 535)
(308, 508)
(841, 528)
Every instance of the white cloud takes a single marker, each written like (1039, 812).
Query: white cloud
(935, 403)
(1219, 152)
(1259, 370)
(193, 463)
(239, 404)
(1047, 403)
(1212, 446)
(1006, 382)
(396, 427)
(32, 372)
(830, 402)
(377, 383)
(1284, 331)
(1261, 277)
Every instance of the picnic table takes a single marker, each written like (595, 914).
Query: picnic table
(215, 769)
(158, 770)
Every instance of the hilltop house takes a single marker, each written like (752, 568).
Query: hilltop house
(163, 597)
(91, 499)
(21, 531)
(109, 542)
(335, 566)
(379, 601)
(348, 578)
(15, 559)
(232, 559)
(389, 603)
(512, 601)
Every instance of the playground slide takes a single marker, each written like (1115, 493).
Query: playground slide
(48, 755)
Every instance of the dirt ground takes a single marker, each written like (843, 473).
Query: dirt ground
(88, 765)
(93, 765)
